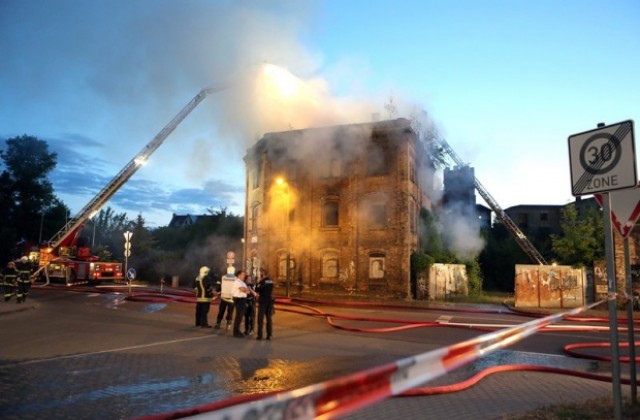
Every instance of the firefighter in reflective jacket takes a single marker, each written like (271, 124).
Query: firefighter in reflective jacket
(24, 281)
(204, 294)
(9, 278)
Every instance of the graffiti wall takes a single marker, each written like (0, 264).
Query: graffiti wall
(446, 279)
(547, 286)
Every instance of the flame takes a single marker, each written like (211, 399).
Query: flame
(280, 82)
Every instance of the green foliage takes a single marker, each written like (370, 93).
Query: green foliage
(429, 237)
(432, 250)
(498, 259)
(582, 238)
(106, 233)
(474, 274)
(25, 191)
(420, 263)
(181, 250)
(103, 253)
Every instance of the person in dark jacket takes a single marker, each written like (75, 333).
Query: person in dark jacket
(204, 295)
(250, 314)
(9, 280)
(264, 288)
(24, 279)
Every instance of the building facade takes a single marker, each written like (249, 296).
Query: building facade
(536, 217)
(337, 207)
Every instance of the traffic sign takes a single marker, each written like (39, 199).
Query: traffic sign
(131, 274)
(625, 209)
(603, 159)
(127, 252)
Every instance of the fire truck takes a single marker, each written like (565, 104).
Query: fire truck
(64, 258)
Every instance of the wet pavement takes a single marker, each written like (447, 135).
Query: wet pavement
(142, 358)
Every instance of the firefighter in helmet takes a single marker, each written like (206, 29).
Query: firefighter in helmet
(24, 279)
(9, 278)
(203, 286)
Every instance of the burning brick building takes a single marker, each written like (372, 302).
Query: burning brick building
(337, 207)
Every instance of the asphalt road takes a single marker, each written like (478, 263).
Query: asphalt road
(98, 355)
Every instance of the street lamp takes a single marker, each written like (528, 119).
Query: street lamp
(243, 265)
(282, 182)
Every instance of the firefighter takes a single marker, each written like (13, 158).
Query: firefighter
(204, 295)
(23, 280)
(9, 278)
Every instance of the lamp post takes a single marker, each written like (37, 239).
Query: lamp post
(282, 182)
(243, 265)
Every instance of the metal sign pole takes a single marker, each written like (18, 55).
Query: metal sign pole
(613, 315)
(630, 326)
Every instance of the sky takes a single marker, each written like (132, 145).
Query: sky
(504, 82)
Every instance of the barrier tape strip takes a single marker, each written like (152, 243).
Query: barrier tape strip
(341, 396)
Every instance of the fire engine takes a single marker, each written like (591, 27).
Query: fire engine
(63, 258)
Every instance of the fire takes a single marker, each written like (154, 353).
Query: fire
(283, 101)
(280, 82)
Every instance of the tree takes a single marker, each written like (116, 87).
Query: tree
(183, 249)
(582, 239)
(106, 230)
(432, 250)
(145, 257)
(499, 257)
(430, 240)
(25, 190)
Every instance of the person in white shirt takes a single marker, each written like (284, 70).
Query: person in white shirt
(239, 293)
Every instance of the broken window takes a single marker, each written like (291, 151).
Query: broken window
(330, 215)
(377, 163)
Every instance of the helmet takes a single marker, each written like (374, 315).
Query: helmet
(24, 259)
(11, 264)
(204, 270)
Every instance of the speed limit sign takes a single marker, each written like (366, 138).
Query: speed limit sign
(603, 159)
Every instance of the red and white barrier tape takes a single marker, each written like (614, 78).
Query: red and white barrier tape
(346, 394)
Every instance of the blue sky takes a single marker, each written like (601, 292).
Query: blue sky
(505, 82)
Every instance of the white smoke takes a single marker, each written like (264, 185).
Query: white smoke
(461, 234)
(120, 72)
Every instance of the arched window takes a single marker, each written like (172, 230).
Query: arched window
(282, 266)
(254, 216)
(376, 266)
(330, 266)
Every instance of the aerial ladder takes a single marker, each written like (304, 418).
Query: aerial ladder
(74, 226)
(520, 237)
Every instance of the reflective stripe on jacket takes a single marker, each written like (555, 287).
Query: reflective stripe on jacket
(204, 288)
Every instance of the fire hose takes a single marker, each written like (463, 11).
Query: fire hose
(450, 357)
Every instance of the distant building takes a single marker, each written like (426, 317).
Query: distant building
(459, 189)
(536, 217)
(484, 216)
(460, 195)
(191, 219)
(345, 213)
(182, 220)
(583, 205)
